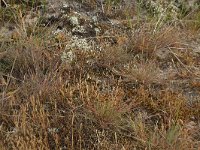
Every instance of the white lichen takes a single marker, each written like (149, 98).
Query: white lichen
(169, 9)
(74, 20)
(68, 56)
(97, 30)
(56, 32)
(53, 130)
(79, 29)
(95, 19)
(78, 43)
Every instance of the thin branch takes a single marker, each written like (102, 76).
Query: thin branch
(185, 66)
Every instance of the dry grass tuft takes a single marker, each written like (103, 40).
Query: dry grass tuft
(143, 94)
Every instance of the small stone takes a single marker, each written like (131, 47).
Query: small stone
(197, 50)
(191, 125)
(5, 33)
(163, 54)
(30, 20)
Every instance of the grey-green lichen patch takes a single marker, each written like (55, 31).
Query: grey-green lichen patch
(74, 20)
(95, 19)
(68, 57)
(97, 31)
(78, 43)
(79, 29)
(172, 9)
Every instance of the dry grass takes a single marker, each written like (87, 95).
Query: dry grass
(125, 97)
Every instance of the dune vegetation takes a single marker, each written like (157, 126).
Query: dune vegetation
(99, 75)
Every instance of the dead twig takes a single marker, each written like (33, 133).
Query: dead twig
(185, 66)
